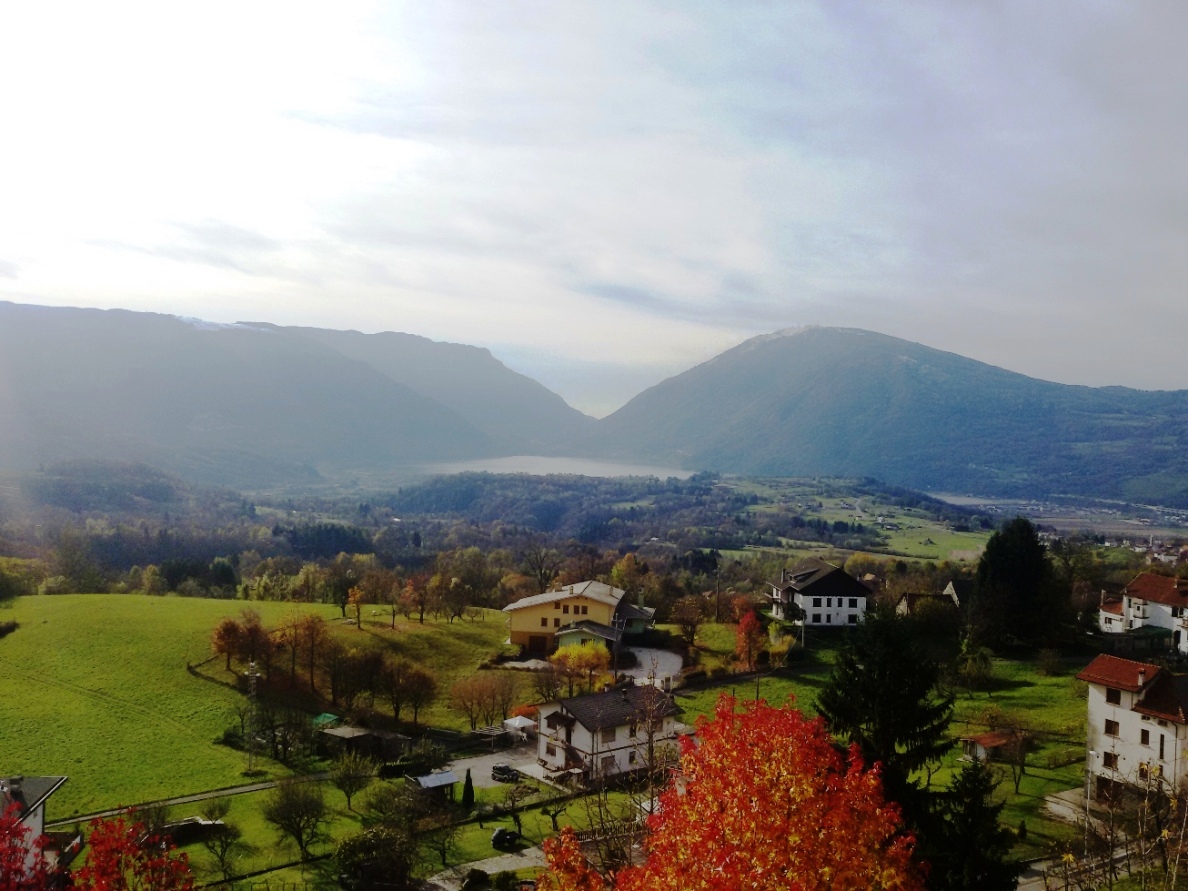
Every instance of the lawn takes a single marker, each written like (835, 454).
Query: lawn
(96, 687)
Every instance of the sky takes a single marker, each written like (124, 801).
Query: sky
(605, 194)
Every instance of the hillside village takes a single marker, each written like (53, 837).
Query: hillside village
(568, 707)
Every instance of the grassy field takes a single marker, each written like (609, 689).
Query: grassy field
(95, 687)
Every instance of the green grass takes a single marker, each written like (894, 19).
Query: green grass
(95, 687)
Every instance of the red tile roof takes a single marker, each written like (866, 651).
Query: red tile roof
(1158, 589)
(1166, 698)
(1112, 606)
(1123, 674)
(991, 740)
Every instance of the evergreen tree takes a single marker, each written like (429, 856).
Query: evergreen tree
(468, 792)
(969, 850)
(882, 697)
(1014, 590)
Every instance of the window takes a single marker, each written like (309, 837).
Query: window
(550, 750)
(1161, 758)
(829, 603)
(1111, 727)
(632, 730)
(585, 610)
(852, 619)
(816, 618)
(1113, 697)
(853, 603)
(556, 604)
(608, 735)
(631, 757)
(816, 601)
(544, 622)
(1145, 737)
(556, 623)
(1110, 760)
(565, 609)
(608, 764)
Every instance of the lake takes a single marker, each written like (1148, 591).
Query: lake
(538, 465)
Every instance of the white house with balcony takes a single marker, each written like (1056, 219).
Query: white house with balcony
(1149, 601)
(604, 734)
(1137, 724)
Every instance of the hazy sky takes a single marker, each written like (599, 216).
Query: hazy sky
(607, 193)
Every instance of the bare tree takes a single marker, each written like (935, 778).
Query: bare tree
(351, 774)
(222, 840)
(298, 811)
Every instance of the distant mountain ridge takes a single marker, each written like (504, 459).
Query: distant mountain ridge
(253, 405)
(842, 401)
(250, 404)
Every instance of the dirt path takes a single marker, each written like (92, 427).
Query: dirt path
(183, 799)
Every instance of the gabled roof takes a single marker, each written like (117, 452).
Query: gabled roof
(991, 740)
(1114, 607)
(615, 708)
(598, 591)
(813, 573)
(627, 610)
(1122, 674)
(436, 780)
(1158, 589)
(28, 793)
(606, 632)
(1166, 697)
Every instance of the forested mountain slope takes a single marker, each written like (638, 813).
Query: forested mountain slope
(833, 401)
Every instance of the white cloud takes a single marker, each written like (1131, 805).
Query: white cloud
(606, 193)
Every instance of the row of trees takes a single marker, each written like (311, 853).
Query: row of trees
(308, 653)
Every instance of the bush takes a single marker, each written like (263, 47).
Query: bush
(1049, 663)
(505, 881)
(475, 879)
(8, 627)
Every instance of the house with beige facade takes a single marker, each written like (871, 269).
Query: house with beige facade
(582, 611)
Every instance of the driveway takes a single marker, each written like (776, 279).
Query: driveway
(519, 757)
(451, 879)
(657, 664)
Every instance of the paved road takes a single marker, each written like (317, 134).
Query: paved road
(451, 879)
(182, 799)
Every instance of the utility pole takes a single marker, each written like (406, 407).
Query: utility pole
(252, 708)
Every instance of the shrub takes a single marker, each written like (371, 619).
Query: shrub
(505, 881)
(8, 627)
(476, 878)
(1049, 663)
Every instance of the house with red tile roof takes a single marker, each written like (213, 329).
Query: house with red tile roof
(1137, 723)
(1149, 601)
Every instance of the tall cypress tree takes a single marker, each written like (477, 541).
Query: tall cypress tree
(468, 792)
(882, 697)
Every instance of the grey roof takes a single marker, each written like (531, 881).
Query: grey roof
(606, 632)
(628, 610)
(615, 708)
(599, 591)
(436, 780)
(346, 732)
(814, 572)
(26, 792)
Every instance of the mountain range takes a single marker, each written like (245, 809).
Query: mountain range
(254, 405)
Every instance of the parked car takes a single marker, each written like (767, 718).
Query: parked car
(504, 773)
(503, 838)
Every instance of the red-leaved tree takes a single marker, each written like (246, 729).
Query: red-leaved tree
(750, 639)
(766, 803)
(16, 848)
(121, 859)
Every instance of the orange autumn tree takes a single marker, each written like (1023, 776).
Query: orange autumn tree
(766, 803)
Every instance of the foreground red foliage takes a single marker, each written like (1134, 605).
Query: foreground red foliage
(15, 847)
(764, 803)
(119, 861)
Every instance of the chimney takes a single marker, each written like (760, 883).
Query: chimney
(1142, 677)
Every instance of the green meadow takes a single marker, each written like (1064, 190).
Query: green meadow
(96, 687)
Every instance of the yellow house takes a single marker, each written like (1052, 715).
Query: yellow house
(534, 621)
